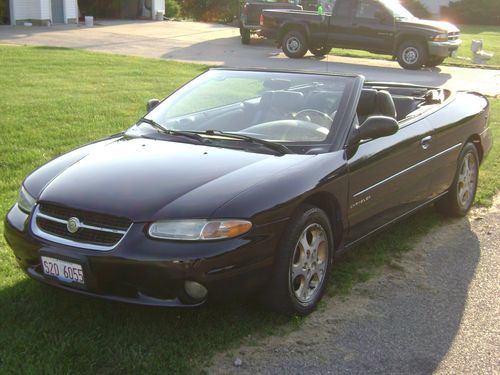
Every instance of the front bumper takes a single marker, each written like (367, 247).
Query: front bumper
(443, 49)
(145, 271)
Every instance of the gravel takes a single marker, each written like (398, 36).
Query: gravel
(436, 311)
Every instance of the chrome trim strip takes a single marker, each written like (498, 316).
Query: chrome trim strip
(406, 170)
(82, 225)
(63, 241)
(395, 220)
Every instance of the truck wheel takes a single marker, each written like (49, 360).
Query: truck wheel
(434, 61)
(303, 263)
(320, 51)
(460, 197)
(245, 36)
(412, 54)
(294, 44)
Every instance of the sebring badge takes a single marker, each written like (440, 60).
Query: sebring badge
(73, 225)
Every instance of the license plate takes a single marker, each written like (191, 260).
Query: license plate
(64, 271)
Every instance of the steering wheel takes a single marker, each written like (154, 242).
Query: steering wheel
(315, 116)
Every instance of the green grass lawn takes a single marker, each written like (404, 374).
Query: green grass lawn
(489, 34)
(55, 99)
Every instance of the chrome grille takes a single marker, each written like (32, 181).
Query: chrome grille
(454, 35)
(95, 231)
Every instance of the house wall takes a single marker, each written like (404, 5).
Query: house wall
(70, 11)
(26, 9)
(39, 12)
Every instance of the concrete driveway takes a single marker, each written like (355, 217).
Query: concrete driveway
(220, 45)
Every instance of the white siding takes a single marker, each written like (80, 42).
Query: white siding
(157, 6)
(27, 9)
(46, 13)
(70, 8)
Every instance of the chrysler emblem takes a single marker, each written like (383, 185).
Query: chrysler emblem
(73, 225)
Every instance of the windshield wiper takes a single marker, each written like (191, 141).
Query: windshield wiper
(281, 149)
(187, 134)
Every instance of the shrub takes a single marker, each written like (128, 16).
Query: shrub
(210, 10)
(479, 12)
(416, 8)
(172, 8)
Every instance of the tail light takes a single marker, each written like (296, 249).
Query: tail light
(261, 20)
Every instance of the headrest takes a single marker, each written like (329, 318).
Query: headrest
(385, 104)
(367, 102)
(373, 102)
(282, 99)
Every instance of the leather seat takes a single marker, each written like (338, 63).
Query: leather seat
(375, 103)
(274, 105)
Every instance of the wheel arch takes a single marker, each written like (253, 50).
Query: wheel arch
(286, 27)
(329, 203)
(408, 36)
(475, 139)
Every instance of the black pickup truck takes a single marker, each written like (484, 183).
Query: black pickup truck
(251, 10)
(378, 26)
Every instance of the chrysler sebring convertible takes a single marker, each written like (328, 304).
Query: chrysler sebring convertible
(246, 181)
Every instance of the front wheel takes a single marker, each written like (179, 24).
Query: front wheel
(434, 61)
(303, 263)
(294, 44)
(320, 51)
(412, 54)
(460, 197)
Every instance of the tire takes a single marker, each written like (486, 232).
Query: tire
(320, 51)
(301, 272)
(294, 44)
(412, 54)
(459, 199)
(434, 61)
(245, 36)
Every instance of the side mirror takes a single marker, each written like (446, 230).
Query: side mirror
(375, 127)
(151, 104)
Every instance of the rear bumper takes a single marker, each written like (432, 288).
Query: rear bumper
(443, 49)
(151, 272)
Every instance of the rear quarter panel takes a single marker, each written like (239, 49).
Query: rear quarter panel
(463, 119)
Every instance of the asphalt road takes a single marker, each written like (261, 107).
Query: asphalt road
(220, 45)
(434, 311)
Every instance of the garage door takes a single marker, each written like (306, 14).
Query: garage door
(57, 11)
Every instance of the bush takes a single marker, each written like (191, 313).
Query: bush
(172, 8)
(210, 10)
(416, 8)
(477, 12)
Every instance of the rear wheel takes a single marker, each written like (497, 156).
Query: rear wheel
(412, 54)
(303, 263)
(245, 36)
(434, 61)
(320, 51)
(460, 197)
(294, 44)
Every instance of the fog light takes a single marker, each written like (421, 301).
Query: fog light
(195, 290)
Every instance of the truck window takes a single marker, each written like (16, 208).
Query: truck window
(342, 8)
(368, 9)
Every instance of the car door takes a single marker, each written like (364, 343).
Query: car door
(373, 27)
(340, 27)
(387, 178)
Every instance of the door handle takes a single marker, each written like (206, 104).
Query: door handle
(426, 142)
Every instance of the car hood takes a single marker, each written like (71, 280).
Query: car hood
(139, 178)
(432, 25)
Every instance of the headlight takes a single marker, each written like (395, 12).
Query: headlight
(441, 38)
(25, 201)
(192, 230)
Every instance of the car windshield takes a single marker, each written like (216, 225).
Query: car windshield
(397, 10)
(285, 108)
